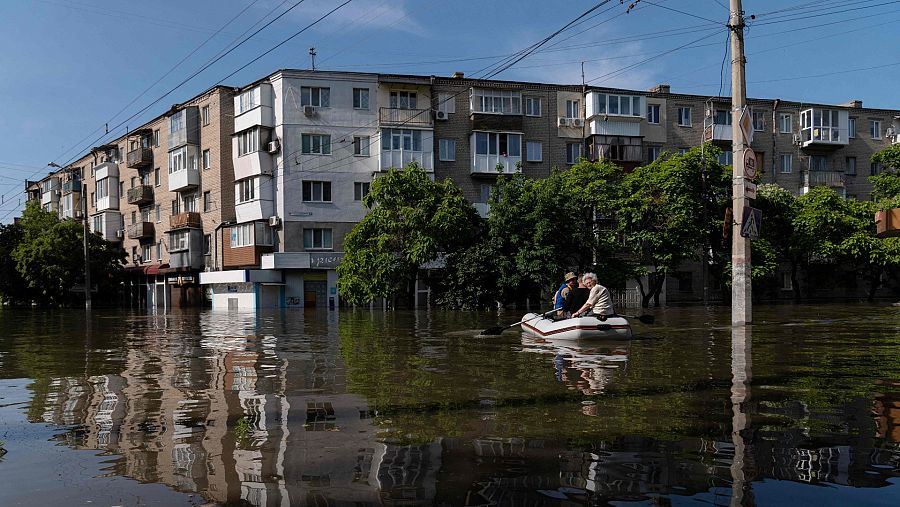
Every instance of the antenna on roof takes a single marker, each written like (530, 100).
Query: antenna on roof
(312, 55)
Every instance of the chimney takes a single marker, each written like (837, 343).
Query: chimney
(458, 75)
(856, 104)
(661, 88)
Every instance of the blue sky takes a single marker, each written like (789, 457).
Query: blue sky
(70, 67)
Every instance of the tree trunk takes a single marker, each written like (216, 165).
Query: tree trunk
(874, 284)
(795, 282)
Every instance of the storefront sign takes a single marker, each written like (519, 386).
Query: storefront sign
(325, 260)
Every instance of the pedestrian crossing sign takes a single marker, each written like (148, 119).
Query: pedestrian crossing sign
(751, 222)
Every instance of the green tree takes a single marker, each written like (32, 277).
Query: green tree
(12, 287)
(886, 186)
(777, 235)
(50, 259)
(411, 221)
(870, 256)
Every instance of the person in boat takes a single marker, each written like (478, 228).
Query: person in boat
(599, 303)
(564, 294)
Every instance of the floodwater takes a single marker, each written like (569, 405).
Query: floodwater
(414, 408)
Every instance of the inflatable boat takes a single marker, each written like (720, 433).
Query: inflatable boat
(578, 328)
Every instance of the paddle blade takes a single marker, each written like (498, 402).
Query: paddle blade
(647, 319)
(492, 331)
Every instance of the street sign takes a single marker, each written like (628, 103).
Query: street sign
(751, 222)
(749, 164)
(749, 189)
(746, 124)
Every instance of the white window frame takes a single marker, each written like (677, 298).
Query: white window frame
(146, 253)
(533, 106)
(572, 158)
(248, 141)
(179, 240)
(242, 235)
(573, 108)
(493, 143)
(249, 99)
(490, 101)
(401, 138)
(360, 189)
(726, 157)
(722, 117)
(759, 121)
(534, 151)
(847, 164)
(447, 150)
(245, 190)
(851, 127)
(204, 115)
(786, 120)
(446, 102)
(323, 141)
(684, 116)
(182, 159)
(361, 146)
(206, 159)
(786, 168)
(361, 98)
(611, 104)
(176, 122)
(875, 129)
(325, 240)
(316, 96)
(653, 111)
(403, 99)
(316, 191)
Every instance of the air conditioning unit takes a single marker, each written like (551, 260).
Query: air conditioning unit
(440, 115)
(309, 110)
(274, 221)
(274, 146)
(797, 139)
(563, 121)
(577, 122)
(120, 233)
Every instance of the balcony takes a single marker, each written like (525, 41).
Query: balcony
(141, 230)
(190, 219)
(141, 157)
(140, 195)
(833, 179)
(824, 128)
(401, 158)
(487, 164)
(72, 187)
(388, 116)
(184, 179)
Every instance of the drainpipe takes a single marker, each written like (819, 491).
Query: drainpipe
(775, 128)
(222, 224)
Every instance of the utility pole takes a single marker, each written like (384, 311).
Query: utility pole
(741, 302)
(87, 251)
(312, 55)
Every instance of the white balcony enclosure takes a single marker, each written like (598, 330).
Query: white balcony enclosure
(496, 152)
(107, 193)
(254, 199)
(254, 107)
(611, 105)
(109, 225)
(482, 208)
(50, 191)
(399, 147)
(824, 127)
(250, 164)
(106, 170)
(184, 171)
(615, 127)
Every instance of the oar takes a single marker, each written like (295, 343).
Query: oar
(646, 318)
(499, 330)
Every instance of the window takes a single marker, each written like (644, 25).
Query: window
(786, 282)
(204, 115)
(98, 224)
(176, 206)
(249, 99)
(156, 138)
(447, 150)
(572, 109)
(874, 169)
(159, 250)
(360, 98)
(851, 126)
(158, 214)
(403, 100)
(653, 114)
(447, 102)
(121, 188)
(179, 240)
(850, 162)
(156, 180)
(145, 213)
(245, 190)
(264, 234)
(726, 158)
(653, 153)
(361, 145)
(182, 158)
(360, 189)
(145, 178)
(315, 144)
(206, 159)
(146, 253)
(875, 129)
(682, 151)
(242, 235)
(787, 163)
(207, 244)
(532, 106)
(317, 239)
(759, 121)
(818, 163)
(176, 122)
(317, 191)
(207, 201)
(190, 203)
(248, 141)
(401, 140)
(492, 143)
(786, 122)
(102, 188)
(684, 116)
(722, 117)
(133, 217)
(496, 101)
(533, 151)
(573, 152)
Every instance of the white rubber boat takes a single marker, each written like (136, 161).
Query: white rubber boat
(579, 328)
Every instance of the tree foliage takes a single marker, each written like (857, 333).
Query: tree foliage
(411, 221)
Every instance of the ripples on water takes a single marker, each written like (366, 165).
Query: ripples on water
(307, 408)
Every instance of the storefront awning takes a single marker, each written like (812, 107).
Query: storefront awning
(154, 269)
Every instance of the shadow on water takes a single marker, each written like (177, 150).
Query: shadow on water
(318, 408)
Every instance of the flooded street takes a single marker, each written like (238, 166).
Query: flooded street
(414, 408)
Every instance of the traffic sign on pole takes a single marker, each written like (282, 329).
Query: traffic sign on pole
(749, 163)
(751, 222)
(746, 123)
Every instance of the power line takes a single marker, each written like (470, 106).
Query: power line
(680, 11)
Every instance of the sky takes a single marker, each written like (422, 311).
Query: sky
(73, 69)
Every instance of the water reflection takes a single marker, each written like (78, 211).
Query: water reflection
(374, 409)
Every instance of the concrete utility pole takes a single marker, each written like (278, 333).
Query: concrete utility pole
(741, 303)
(87, 250)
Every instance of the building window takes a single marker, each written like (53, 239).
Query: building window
(207, 244)
(158, 213)
(98, 225)
(207, 201)
(447, 102)
(102, 188)
(245, 190)
(159, 250)
(317, 191)
(317, 239)
(401, 140)
(248, 141)
(618, 105)
(684, 117)
(156, 138)
(206, 160)
(156, 180)
(360, 189)
(133, 216)
(726, 158)
(176, 122)
(572, 109)
(787, 163)
(447, 150)
(146, 253)
(182, 158)
(875, 129)
(533, 151)
(786, 123)
(874, 169)
(204, 115)
(145, 213)
(851, 165)
(491, 143)
(683, 151)
(532, 106)
(722, 117)
(759, 121)
(179, 240)
(361, 145)
(403, 100)
(190, 203)
(264, 235)
(653, 153)
(360, 98)
(786, 282)
(851, 126)
(496, 101)
(573, 152)
(176, 206)
(315, 144)
(242, 235)
(249, 99)
(653, 114)
(818, 163)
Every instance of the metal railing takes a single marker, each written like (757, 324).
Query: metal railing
(411, 117)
